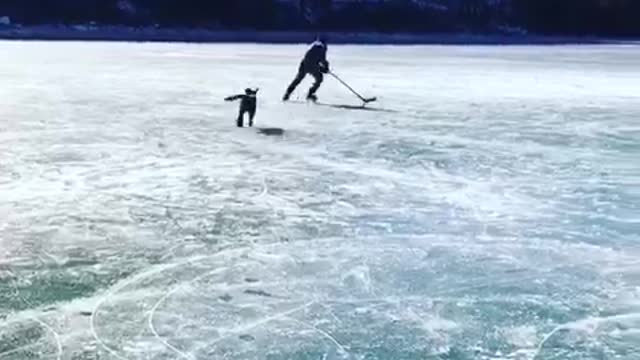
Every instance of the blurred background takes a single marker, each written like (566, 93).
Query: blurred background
(549, 17)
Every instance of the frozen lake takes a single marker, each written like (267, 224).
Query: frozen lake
(485, 208)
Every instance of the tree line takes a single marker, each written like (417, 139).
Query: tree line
(559, 17)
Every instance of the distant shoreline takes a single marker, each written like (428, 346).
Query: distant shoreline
(152, 34)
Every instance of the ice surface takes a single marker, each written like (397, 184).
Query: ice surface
(486, 208)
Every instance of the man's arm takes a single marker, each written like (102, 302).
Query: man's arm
(323, 60)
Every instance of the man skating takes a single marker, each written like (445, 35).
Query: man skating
(314, 63)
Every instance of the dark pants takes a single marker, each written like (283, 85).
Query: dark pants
(302, 72)
(251, 112)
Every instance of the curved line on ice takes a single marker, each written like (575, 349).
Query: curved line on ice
(123, 285)
(184, 355)
(575, 325)
(340, 347)
(248, 327)
(265, 188)
(260, 322)
(148, 273)
(56, 336)
(155, 307)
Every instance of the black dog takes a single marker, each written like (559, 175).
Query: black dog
(247, 105)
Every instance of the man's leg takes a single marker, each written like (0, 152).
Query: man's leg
(317, 75)
(294, 84)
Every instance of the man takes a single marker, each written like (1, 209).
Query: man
(314, 63)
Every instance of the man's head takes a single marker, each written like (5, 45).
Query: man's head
(249, 91)
(322, 39)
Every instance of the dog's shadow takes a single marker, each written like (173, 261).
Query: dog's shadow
(271, 131)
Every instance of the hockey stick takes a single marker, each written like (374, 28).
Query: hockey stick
(364, 100)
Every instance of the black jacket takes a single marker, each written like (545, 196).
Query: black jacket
(316, 57)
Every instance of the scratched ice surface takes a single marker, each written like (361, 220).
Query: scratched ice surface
(485, 208)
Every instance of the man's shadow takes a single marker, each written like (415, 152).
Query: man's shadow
(356, 107)
(350, 107)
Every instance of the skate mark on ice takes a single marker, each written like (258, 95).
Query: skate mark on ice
(261, 293)
(123, 285)
(263, 321)
(56, 335)
(265, 188)
(20, 349)
(141, 276)
(155, 307)
(236, 331)
(158, 269)
(325, 334)
(587, 324)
